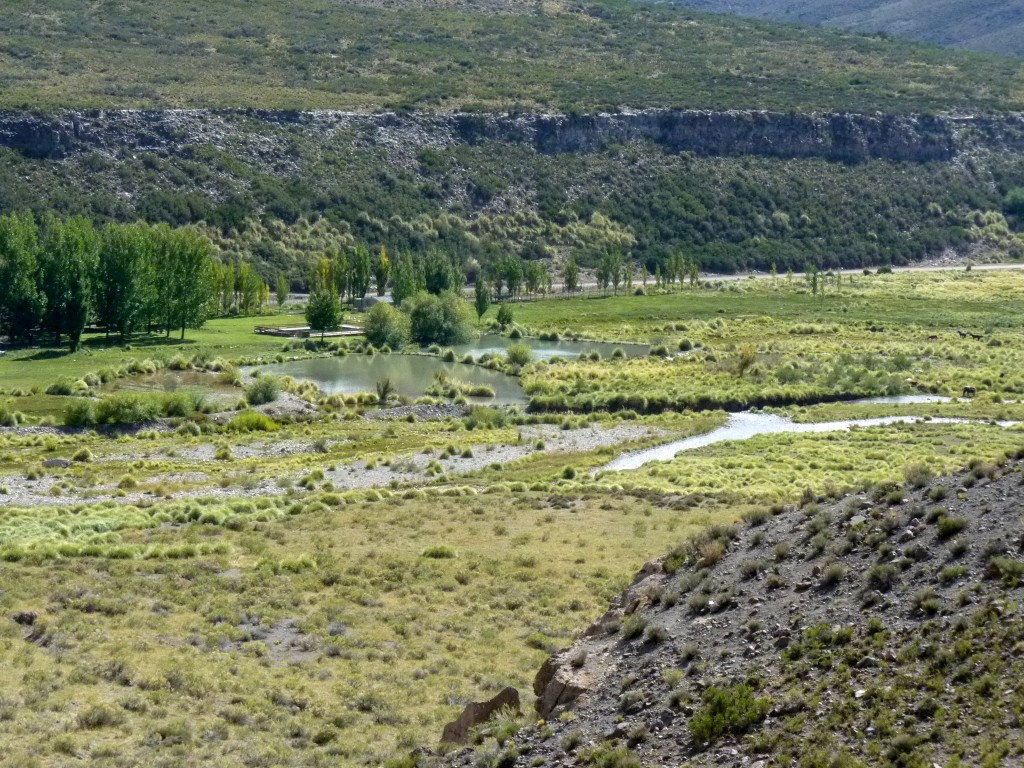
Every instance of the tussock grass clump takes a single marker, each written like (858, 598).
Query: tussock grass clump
(704, 549)
(251, 421)
(266, 389)
(949, 527)
(731, 710)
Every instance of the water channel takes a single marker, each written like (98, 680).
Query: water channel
(747, 424)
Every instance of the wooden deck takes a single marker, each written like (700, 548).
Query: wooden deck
(304, 332)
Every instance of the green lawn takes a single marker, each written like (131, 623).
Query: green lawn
(229, 338)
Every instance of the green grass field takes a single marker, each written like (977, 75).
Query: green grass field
(248, 608)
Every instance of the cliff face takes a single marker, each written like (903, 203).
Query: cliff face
(840, 137)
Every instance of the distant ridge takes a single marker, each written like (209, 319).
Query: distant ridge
(991, 26)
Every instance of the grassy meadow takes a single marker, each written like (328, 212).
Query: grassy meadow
(195, 593)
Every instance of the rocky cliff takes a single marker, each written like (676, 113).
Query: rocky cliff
(838, 137)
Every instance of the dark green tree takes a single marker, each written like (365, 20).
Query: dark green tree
(21, 302)
(70, 258)
(362, 271)
(122, 277)
(438, 319)
(440, 274)
(481, 297)
(323, 311)
(405, 279)
(386, 325)
(185, 276)
(572, 275)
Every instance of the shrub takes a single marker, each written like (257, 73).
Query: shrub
(882, 577)
(832, 574)
(441, 552)
(610, 755)
(518, 354)
(730, 710)
(182, 404)
(505, 318)
(127, 409)
(79, 413)
(386, 326)
(1010, 571)
(442, 319)
(99, 716)
(83, 455)
(655, 634)
(266, 389)
(918, 475)
(633, 626)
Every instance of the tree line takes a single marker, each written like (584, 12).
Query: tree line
(57, 276)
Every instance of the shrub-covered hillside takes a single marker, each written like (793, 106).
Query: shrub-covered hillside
(550, 55)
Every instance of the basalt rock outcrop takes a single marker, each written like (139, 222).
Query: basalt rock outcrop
(839, 137)
(479, 712)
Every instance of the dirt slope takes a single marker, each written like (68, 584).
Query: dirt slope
(882, 630)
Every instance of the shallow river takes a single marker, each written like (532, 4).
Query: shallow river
(745, 425)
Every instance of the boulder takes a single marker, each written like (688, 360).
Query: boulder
(478, 712)
(557, 684)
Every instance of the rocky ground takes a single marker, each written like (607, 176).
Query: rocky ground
(21, 490)
(882, 630)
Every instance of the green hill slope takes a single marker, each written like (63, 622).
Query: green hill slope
(355, 55)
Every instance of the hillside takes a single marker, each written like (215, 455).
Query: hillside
(993, 26)
(884, 630)
(288, 131)
(321, 54)
(734, 190)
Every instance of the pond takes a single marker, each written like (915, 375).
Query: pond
(412, 374)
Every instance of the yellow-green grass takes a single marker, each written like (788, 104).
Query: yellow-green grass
(936, 300)
(981, 408)
(781, 467)
(147, 660)
(887, 334)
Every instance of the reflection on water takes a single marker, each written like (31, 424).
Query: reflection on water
(412, 374)
(545, 350)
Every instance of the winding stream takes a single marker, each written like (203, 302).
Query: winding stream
(745, 425)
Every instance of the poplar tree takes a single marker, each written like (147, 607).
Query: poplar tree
(121, 277)
(21, 302)
(323, 312)
(382, 271)
(572, 276)
(482, 297)
(69, 261)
